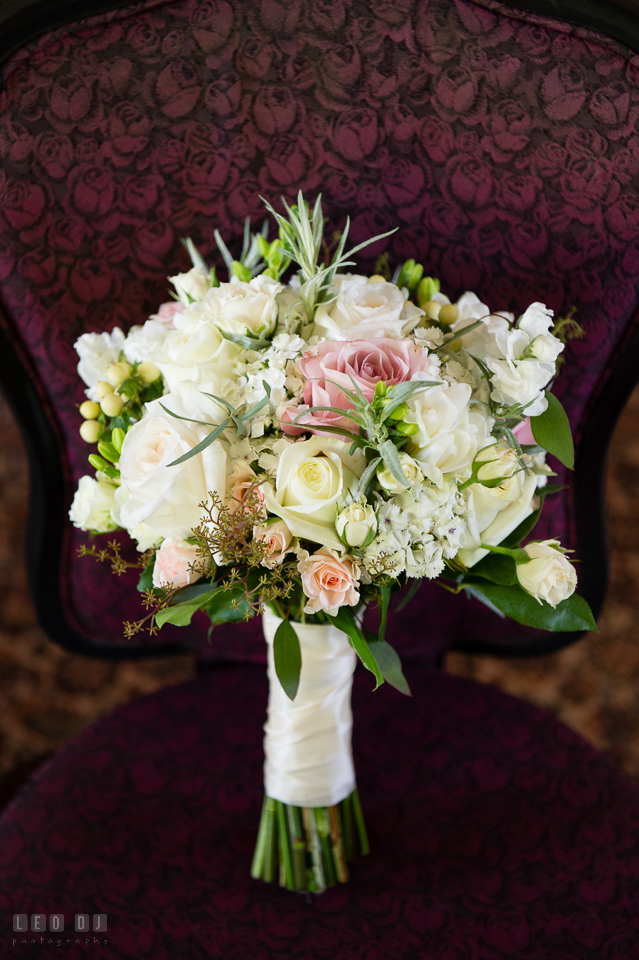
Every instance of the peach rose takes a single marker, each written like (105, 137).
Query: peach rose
(167, 312)
(174, 564)
(277, 538)
(329, 581)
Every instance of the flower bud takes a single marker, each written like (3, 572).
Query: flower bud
(414, 277)
(426, 290)
(117, 373)
(356, 525)
(148, 372)
(407, 429)
(117, 438)
(90, 430)
(548, 575)
(111, 405)
(410, 469)
(546, 348)
(405, 273)
(89, 410)
(102, 388)
(431, 309)
(399, 412)
(448, 314)
(380, 389)
(241, 272)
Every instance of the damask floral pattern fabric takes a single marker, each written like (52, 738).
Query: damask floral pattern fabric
(504, 147)
(529, 849)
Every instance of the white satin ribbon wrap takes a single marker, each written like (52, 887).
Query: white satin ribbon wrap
(309, 760)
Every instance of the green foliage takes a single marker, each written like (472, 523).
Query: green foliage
(551, 430)
(570, 615)
(390, 665)
(287, 657)
(345, 621)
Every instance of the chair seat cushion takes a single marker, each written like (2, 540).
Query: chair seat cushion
(495, 832)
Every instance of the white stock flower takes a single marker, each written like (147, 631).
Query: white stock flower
(536, 320)
(97, 351)
(549, 575)
(546, 348)
(522, 382)
(363, 310)
(155, 500)
(448, 433)
(356, 523)
(91, 507)
(191, 286)
(146, 342)
(312, 480)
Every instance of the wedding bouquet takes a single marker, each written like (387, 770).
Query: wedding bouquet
(303, 448)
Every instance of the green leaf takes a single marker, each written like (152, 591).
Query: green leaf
(203, 444)
(390, 665)
(180, 615)
(287, 657)
(415, 584)
(345, 621)
(461, 333)
(570, 615)
(383, 600)
(497, 568)
(146, 578)
(552, 431)
(366, 477)
(204, 423)
(389, 453)
(244, 340)
(228, 604)
(193, 592)
(404, 391)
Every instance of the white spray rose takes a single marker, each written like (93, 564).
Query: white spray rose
(549, 575)
(363, 310)
(410, 469)
(546, 348)
(238, 307)
(197, 352)
(176, 564)
(97, 351)
(312, 480)
(191, 286)
(357, 524)
(91, 507)
(155, 500)
(449, 434)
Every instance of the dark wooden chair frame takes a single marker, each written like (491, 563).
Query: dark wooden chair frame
(49, 485)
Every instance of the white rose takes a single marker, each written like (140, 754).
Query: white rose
(312, 480)
(546, 348)
(146, 342)
(238, 307)
(363, 310)
(494, 512)
(410, 469)
(522, 382)
(176, 564)
(197, 353)
(156, 500)
(97, 351)
(91, 507)
(449, 434)
(357, 524)
(549, 575)
(191, 286)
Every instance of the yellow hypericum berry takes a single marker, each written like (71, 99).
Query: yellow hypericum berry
(119, 372)
(448, 313)
(102, 388)
(432, 308)
(148, 372)
(90, 431)
(89, 410)
(376, 278)
(111, 404)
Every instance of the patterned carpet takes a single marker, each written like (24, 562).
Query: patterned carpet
(47, 695)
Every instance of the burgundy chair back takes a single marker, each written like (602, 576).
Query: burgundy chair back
(505, 148)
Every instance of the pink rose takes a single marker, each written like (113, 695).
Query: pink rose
(167, 312)
(277, 538)
(524, 433)
(329, 367)
(329, 581)
(174, 564)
